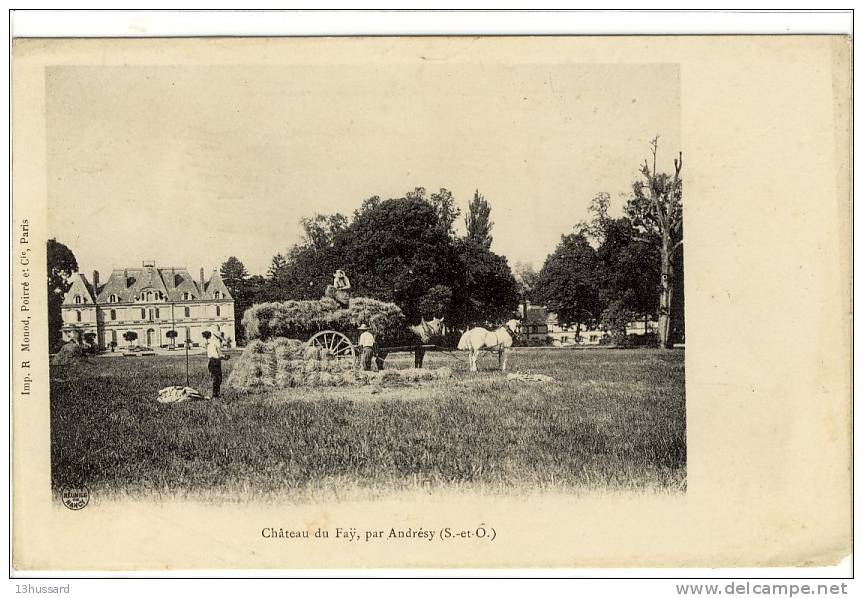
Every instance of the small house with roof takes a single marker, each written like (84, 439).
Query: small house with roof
(150, 301)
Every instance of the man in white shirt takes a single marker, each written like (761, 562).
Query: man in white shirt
(214, 361)
(367, 347)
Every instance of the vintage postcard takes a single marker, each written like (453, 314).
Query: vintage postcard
(406, 303)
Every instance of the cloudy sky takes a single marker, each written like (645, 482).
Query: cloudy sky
(190, 165)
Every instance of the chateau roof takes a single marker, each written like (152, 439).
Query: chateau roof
(81, 287)
(129, 283)
(216, 284)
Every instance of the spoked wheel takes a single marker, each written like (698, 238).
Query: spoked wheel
(337, 344)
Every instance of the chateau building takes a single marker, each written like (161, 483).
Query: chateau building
(150, 302)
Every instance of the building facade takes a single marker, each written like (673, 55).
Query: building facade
(149, 301)
(533, 324)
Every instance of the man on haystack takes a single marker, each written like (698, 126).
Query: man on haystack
(341, 288)
(214, 361)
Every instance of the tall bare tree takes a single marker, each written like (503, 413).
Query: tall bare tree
(656, 209)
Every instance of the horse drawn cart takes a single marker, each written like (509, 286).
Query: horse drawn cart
(338, 345)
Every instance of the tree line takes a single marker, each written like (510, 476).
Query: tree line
(613, 271)
(403, 250)
(606, 273)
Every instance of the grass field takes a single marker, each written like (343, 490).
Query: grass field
(614, 421)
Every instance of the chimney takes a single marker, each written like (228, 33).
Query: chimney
(95, 281)
(125, 278)
(202, 280)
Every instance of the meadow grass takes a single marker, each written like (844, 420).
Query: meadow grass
(614, 420)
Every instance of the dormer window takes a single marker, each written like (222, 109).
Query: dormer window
(217, 295)
(113, 299)
(187, 296)
(77, 299)
(149, 295)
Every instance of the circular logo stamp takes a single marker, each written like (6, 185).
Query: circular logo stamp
(75, 497)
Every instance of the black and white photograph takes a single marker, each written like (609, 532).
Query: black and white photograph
(313, 282)
(422, 302)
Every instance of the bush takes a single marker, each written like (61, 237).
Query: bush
(639, 340)
(68, 353)
(614, 319)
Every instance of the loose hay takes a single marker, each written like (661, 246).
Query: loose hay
(289, 319)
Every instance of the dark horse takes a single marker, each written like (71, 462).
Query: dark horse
(427, 332)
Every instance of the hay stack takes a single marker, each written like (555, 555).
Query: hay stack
(292, 319)
(288, 363)
(255, 368)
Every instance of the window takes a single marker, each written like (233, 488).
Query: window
(186, 296)
(217, 295)
(143, 314)
(218, 311)
(188, 334)
(157, 313)
(114, 336)
(113, 299)
(77, 298)
(77, 316)
(113, 314)
(187, 312)
(149, 295)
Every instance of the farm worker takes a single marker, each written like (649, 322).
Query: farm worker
(367, 346)
(214, 362)
(341, 286)
(340, 281)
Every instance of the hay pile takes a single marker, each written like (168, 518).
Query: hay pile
(288, 363)
(68, 353)
(302, 319)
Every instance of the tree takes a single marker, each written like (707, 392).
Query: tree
(656, 209)
(233, 273)
(396, 251)
(595, 229)
(629, 269)
(443, 204)
(436, 303)
(489, 295)
(172, 335)
(277, 265)
(526, 277)
(130, 336)
(478, 221)
(568, 283)
(403, 251)
(61, 265)
(320, 231)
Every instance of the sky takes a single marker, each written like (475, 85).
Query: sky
(189, 165)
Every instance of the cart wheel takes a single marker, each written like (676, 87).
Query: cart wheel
(336, 343)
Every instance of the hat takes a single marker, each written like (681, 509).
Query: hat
(362, 327)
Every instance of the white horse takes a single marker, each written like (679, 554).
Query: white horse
(500, 340)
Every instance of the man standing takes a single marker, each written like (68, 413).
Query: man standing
(214, 361)
(367, 347)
